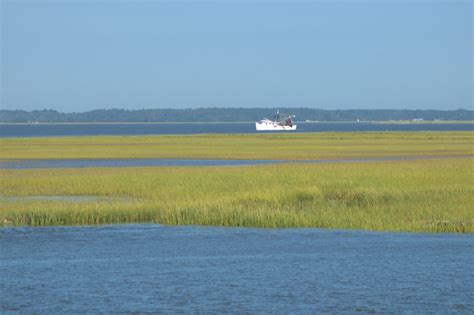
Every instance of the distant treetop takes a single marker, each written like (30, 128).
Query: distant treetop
(217, 114)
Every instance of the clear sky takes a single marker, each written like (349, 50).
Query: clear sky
(83, 55)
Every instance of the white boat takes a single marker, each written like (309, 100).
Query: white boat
(277, 124)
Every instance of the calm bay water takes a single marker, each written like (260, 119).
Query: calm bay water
(153, 268)
(48, 130)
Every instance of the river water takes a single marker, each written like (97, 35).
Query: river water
(154, 268)
(81, 163)
(49, 130)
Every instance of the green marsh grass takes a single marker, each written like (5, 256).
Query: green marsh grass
(287, 146)
(422, 195)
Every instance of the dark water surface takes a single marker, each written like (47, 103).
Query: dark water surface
(80, 163)
(153, 268)
(48, 130)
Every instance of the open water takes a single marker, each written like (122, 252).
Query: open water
(57, 130)
(154, 268)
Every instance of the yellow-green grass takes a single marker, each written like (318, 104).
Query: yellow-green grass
(422, 195)
(287, 146)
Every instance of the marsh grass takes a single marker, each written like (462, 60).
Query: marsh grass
(286, 146)
(423, 195)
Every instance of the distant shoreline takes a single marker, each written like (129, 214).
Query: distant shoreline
(425, 122)
(233, 114)
(245, 122)
(130, 123)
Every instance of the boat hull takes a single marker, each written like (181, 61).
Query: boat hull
(273, 127)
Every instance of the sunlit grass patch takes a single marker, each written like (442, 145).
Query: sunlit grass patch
(287, 146)
(424, 195)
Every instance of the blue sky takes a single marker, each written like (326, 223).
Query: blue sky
(83, 55)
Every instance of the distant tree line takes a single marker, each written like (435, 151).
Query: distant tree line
(227, 115)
